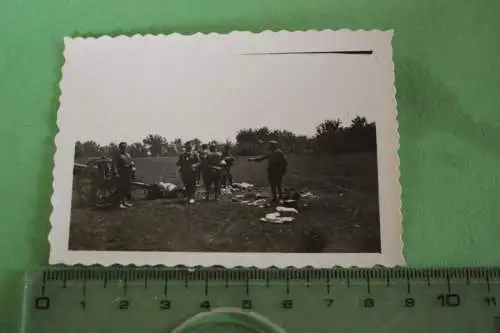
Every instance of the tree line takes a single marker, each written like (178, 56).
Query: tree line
(331, 136)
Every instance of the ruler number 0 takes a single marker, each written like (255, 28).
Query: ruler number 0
(42, 303)
(449, 300)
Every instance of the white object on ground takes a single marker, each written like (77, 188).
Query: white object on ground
(309, 195)
(276, 218)
(226, 190)
(272, 215)
(169, 187)
(257, 202)
(243, 185)
(286, 210)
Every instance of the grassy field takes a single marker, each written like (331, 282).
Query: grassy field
(346, 213)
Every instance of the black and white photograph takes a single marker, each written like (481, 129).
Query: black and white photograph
(239, 149)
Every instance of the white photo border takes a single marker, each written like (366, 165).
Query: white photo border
(388, 176)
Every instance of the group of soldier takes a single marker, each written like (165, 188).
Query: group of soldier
(207, 165)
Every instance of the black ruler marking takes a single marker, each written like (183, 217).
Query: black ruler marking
(408, 284)
(64, 279)
(368, 287)
(351, 52)
(488, 283)
(247, 285)
(44, 279)
(206, 285)
(125, 285)
(448, 284)
(84, 287)
(165, 286)
(287, 284)
(327, 284)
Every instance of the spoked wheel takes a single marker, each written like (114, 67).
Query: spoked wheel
(97, 186)
(106, 194)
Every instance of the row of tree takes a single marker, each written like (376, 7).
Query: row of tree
(330, 137)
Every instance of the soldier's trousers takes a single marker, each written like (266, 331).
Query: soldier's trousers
(189, 180)
(275, 178)
(124, 186)
(212, 178)
(226, 177)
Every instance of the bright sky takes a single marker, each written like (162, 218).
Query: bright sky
(124, 89)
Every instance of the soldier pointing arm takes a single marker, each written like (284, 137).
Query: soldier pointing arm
(276, 168)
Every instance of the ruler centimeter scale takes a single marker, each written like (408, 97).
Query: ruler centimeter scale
(154, 300)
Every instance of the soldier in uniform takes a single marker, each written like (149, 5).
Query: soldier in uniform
(203, 156)
(188, 164)
(227, 177)
(123, 169)
(212, 172)
(276, 169)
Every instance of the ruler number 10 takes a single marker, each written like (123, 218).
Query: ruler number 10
(449, 300)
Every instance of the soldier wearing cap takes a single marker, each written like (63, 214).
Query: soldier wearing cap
(123, 168)
(203, 153)
(276, 168)
(212, 171)
(188, 163)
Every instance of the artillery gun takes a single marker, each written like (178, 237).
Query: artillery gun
(96, 184)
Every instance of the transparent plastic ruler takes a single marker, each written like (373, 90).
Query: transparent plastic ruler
(156, 300)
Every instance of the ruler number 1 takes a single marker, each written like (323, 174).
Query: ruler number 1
(329, 302)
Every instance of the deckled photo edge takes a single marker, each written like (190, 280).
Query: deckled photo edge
(392, 246)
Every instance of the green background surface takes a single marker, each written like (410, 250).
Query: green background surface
(447, 80)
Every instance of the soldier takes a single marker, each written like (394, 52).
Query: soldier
(203, 156)
(212, 172)
(188, 164)
(276, 169)
(227, 177)
(123, 169)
